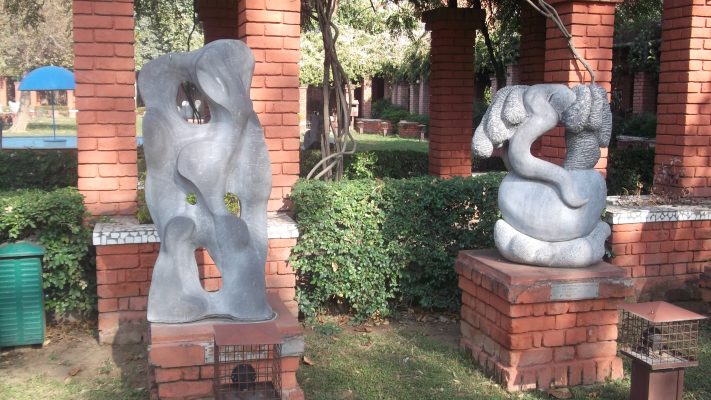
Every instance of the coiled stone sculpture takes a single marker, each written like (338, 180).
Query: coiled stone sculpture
(206, 162)
(550, 214)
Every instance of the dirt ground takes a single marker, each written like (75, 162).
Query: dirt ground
(71, 352)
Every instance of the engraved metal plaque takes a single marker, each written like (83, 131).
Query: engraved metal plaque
(575, 291)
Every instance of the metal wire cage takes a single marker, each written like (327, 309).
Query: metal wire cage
(247, 362)
(659, 334)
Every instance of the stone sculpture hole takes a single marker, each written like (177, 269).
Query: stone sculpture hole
(210, 274)
(232, 203)
(191, 198)
(191, 103)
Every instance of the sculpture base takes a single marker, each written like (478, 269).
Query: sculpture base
(536, 328)
(180, 356)
(667, 384)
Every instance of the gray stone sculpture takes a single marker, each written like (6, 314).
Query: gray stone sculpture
(550, 214)
(226, 155)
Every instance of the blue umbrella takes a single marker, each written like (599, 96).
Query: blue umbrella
(49, 78)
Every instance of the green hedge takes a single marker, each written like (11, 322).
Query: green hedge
(628, 168)
(41, 169)
(370, 244)
(54, 219)
(373, 164)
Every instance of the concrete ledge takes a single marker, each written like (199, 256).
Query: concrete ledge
(279, 226)
(635, 210)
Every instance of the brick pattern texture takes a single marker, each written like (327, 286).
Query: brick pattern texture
(705, 287)
(123, 275)
(451, 91)
(664, 259)
(535, 343)
(644, 95)
(178, 369)
(683, 107)
(106, 131)
(272, 30)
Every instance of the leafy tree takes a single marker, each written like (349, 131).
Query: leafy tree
(638, 27)
(165, 26)
(33, 34)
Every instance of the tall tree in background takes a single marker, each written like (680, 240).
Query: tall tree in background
(32, 34)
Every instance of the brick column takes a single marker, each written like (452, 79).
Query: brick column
(219, 19)
(451, 90)
(591, 23)
(424, 108)
(106, 123)
(71, 100)
(303, 110)
(367, 103)
(644, 97)
(532, 56)
(3, 92)
(414, 100)
(683, 109)
(272, 30)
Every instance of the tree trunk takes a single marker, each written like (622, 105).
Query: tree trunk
(23, 114)
(496, 63)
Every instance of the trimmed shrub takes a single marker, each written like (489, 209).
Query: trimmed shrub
(369, 244)
(643, 125)
(39, 169)
(373, 164)
(54, 219)
(630, 170)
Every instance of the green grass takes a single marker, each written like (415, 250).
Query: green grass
(42, 126)
(42, 387)
(409, 365)
(366, 142)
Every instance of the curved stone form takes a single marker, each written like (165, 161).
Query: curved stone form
(226, 155)
(551, 214)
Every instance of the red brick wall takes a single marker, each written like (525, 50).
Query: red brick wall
(219, 19)
(591, 23)
(532, 56)
(451, 90)
(644, 96)
(106, 132)
(663, 258)
(123, 275)
(272, 30)
(683, 104)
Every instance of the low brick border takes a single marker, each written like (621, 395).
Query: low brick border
(126, 253)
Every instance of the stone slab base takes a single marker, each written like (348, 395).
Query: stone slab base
(181, 363)
(537, 328)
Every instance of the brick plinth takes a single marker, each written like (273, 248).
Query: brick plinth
(683, 108)
(179, 368)
(705, 287)
(521, 326)
(451, 89)
(105, 75)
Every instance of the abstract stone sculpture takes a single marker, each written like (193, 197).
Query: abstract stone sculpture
(205, 162)
(551, 214)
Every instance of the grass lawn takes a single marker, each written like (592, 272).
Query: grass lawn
(366, 142)
(410, 362)
(42, 126)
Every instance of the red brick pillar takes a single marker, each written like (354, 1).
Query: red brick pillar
(532, 56)
(424, 108)
(591, 23)
(683, 108)
(451, 90)
(644, 98)
(219, 19)
(71, 100)
(272, 30)
(3, 93)
(414, 100)
(303, 106)
(367, 103)
(106, 123)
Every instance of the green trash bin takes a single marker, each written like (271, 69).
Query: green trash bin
(22, 319)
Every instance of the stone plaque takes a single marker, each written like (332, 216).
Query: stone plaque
(574, 291)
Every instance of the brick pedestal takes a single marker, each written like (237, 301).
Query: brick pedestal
(181, 361)
(705, 288)
(533, 327)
